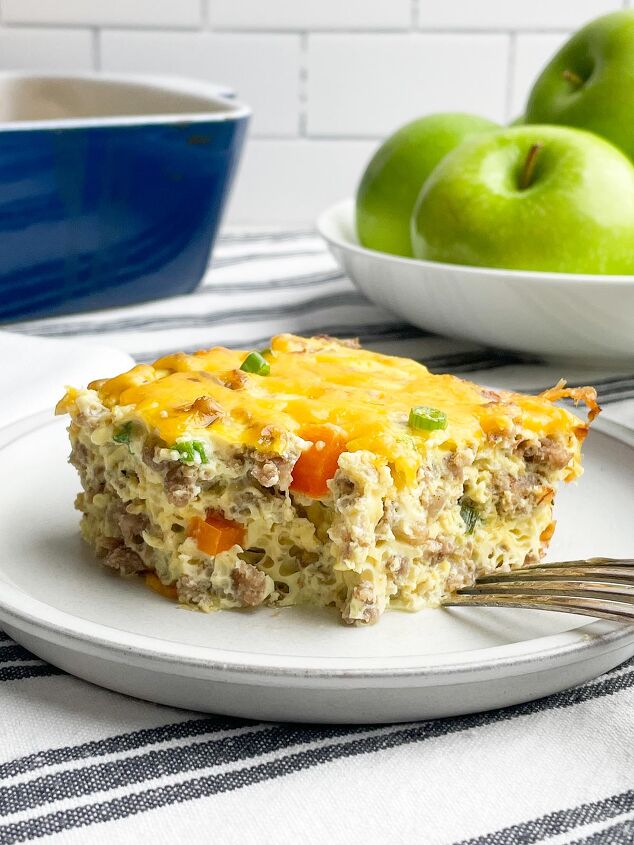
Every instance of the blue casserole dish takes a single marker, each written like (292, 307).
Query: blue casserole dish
(111, 188)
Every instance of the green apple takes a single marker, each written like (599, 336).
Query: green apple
(531, 198)
(393, 178)
(590, 82)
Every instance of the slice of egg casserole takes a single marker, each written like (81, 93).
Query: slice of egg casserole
(318, 473)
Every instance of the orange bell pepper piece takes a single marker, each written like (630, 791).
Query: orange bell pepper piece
(154, 583)
(318, 464)
(548, 532)
(215, 534)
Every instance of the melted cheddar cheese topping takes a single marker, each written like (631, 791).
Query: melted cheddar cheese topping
(367, 396)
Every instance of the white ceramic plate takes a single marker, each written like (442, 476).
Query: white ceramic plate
(550, 314)
(294, 664)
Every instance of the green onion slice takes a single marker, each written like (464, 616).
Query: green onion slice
(469, 516)
(199, 448)
(188, 449)
(422, 418)
(255, 363)
(122, 435)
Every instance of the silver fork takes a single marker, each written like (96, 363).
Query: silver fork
(600, 586)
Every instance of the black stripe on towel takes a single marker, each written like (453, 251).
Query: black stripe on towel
(15, 653)
(367, 333)
(618, 834)
(157, 763)
(215, 317)
(19, 673)
(558, 822)
(262, 286)
(121, 743)
(250, 237)
(266, 255)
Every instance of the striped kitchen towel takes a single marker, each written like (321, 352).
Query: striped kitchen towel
(81, 764)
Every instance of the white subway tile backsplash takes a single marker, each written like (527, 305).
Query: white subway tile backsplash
(510, 14)
(310, 14)
(290, 182)
(532, 53)
(184, 13)
(263, 70)
(45, 49)
(324, 77)
(362, 85)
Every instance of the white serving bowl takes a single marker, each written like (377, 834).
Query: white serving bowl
(561, 315)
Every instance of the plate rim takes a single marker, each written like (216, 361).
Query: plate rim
(20, 610)
(325, 223)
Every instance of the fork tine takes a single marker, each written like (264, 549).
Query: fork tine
(558, 570)
(585, 562)
(573, 587)
(562, 573)
(585, 606)
(595, 561)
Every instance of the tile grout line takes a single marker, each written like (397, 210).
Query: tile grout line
(96, 48)
(510, 76)
(314, 136)
(205, 25)
(303, 85)
(415, 15)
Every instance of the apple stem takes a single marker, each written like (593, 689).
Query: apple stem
(573, 77)
(528, 171)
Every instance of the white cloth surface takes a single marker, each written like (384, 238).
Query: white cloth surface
(36, 370)
(81, 764)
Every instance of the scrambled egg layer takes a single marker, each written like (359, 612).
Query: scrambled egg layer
(389, 530)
